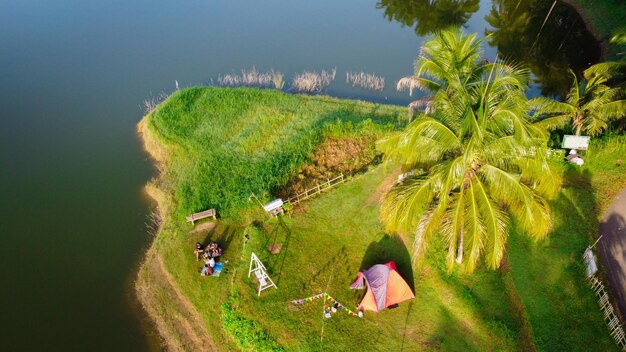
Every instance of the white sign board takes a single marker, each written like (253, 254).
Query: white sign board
(575, 142)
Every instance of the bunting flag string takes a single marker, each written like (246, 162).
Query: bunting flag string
(331, 309)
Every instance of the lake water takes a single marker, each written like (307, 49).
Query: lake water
(74, 73)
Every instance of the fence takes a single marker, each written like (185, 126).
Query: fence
(610, 318)
(558, 154)
(315, 190)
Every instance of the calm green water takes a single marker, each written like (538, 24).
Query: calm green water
(74, 72)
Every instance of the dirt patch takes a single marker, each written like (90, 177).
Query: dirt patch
(178, 323)
(180, 326)
(332, 158)
(204, 227)
(384, 187)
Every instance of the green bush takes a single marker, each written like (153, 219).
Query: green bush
(247, 334)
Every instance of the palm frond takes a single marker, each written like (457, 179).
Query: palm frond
(475, 230)
(424, 142)
(496, 225)
(555, 122)
(412, 82)
(406, 202)
(542, 105)
(453, 225)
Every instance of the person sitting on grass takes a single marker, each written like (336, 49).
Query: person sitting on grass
(207, 269)
(198, 251)
(217, 252)
(213, 250)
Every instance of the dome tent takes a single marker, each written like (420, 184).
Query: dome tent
(385, 287)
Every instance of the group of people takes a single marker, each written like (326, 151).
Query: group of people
(210, 254)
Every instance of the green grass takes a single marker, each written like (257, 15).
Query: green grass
(209, 131)
(549, 276)
(323, 250)
(229, 143)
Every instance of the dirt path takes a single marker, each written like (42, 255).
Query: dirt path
(612, 248)
(179, 324)
(385, 186)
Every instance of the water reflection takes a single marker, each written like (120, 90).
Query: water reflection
(428, 15)
(548, 37)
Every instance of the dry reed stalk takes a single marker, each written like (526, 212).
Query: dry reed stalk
(252, 78)
(277, 79)
(150, 103)
(313, 82)
(364, 80)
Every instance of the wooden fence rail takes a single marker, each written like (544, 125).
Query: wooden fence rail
(610, 317)
(315, 190)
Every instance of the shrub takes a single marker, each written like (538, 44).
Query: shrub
(247, 334)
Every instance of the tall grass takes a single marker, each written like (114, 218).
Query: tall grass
(313, 82)
(234, 142)
(366, 80)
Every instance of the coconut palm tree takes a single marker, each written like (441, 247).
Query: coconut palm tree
(476, 163)
(590, 105)
(445, 65)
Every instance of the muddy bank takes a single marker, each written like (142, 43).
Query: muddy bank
(179, 325)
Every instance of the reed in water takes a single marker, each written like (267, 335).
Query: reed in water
(252, 78)
(312, 82)
(364, 80)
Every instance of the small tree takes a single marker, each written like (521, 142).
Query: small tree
(590, 105)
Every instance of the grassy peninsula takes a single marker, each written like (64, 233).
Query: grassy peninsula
(214, 147)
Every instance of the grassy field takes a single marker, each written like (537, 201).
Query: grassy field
(228, 143)
(324, 249)
(549, 276)
(542, 301)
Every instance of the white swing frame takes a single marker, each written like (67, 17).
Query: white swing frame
(259, 270)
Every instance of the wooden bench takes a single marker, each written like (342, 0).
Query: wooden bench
(201, 215)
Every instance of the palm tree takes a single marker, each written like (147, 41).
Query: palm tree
(445, 65)
(589, 107)
(477, 162)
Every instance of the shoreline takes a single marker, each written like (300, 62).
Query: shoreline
(591, 27)
(181, 328)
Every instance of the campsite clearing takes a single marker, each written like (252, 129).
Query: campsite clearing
(330, 238)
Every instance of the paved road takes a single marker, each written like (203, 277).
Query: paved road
(612, 249)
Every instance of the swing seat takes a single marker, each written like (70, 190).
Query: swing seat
(261, 278)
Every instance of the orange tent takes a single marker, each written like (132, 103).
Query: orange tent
(385, 287)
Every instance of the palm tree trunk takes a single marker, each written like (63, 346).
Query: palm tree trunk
(459, 256)
(578, 122)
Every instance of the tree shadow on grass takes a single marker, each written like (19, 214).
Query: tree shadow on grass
(612, 252)
(223, 235)
(390, 248)
(280, 234)
(550, 277)
(406, 324)
(453, 335)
